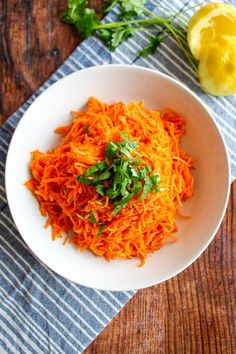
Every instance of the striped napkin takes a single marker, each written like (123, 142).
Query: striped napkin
(41, 312)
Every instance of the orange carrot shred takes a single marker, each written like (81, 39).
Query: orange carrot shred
(142, 227)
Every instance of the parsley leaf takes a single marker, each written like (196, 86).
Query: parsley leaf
(154, 42)
(105, 35)
(129, 8)
(146, 188)
(125, 147)
(109, 4)
(75, 9)
(113, 34)
(137, 187)
(86, 24)
(101, 177)
(120, 35)
(91, 170)
(123, 176)
(92, 217)
(93, 220)
(122, 203)
(84, 19)
(132, 7)
(100, 230)
(85, 127)
(100, 189)
(85, 180)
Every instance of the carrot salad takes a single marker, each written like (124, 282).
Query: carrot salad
(115, 181)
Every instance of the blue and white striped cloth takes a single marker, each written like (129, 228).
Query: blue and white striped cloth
(41, 312)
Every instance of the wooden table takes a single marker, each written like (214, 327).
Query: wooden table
(191, 313)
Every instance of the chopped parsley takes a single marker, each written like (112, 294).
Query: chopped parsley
(87, 23)
(120, 176)
(93, 220)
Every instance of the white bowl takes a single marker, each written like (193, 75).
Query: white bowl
(202, 140)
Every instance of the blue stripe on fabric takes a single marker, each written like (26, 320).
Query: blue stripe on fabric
(28, 308)
(32, 327)
(51, 322)
(4, 348)
(7, 346)
(42, 295)
(69, 325)
(58, 280)
(14, 328)
(7, 223)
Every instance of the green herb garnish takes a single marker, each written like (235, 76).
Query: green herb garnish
(154, 42)
(123, 176)
(100, 230)
(93, 220)
(113, 34)
(129, 8)
(85, 128)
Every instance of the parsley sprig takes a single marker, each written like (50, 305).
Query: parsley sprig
(93, 220)
(113, 34)
(120, 176)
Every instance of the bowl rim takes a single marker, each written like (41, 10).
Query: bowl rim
(168, 78)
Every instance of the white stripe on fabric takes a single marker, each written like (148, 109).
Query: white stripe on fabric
(4, 142)
(20, 241)
(25, 246)
(74, 63)
(128, 295)
(28, 275)
(59, 72)
(3, 149)
(12, 224)
(16, 116)
(63, 285)
(91, 302)
(106, 300)
(13, 336)
(7, 343)
(40, 332)
(3, 195)
(35, 284)
(98, 62)
(2, 164)
(70, 66)
(24, 110)
(115, 298)
(25, 339)
(77, 289)
(26, 320)
(52, 319)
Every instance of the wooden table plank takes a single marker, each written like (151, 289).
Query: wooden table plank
(192, 313)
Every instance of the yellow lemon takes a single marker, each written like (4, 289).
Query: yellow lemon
(217, 67)
(208, 23)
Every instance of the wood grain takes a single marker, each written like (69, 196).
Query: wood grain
(195, 311)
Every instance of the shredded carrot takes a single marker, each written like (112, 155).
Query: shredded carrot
(140, 228)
